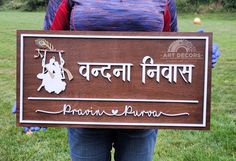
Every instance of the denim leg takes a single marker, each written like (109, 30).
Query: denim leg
(135, 145)
(90, 144)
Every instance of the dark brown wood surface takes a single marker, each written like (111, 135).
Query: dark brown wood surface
(115, 50)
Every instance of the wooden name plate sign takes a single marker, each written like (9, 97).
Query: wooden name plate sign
(113, 79)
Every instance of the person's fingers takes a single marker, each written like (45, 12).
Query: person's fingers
(14, 108)
(214, 60)
(36, 128)
(213, 64)
(214, 48)
(44, 128)
(214, 56)
(200, 30)
(218, 53)
(26, 129)
(32, 128)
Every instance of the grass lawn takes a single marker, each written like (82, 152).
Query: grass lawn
(178, 145)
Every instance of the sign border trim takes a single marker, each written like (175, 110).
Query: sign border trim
(206, 38)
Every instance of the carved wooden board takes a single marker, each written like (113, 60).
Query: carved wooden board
(114, 79)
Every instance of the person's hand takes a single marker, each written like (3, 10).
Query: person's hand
(215, 51)
(32, 129)
(13, 110)
(215, 54)
(28, 130)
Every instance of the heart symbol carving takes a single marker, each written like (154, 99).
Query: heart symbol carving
(114, 112)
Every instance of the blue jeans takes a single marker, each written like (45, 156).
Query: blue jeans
(96, 144)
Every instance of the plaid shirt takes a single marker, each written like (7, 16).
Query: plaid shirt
(114, 15)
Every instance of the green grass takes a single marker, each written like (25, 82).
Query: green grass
(218, 144)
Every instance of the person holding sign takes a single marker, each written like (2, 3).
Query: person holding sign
(115, 15)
